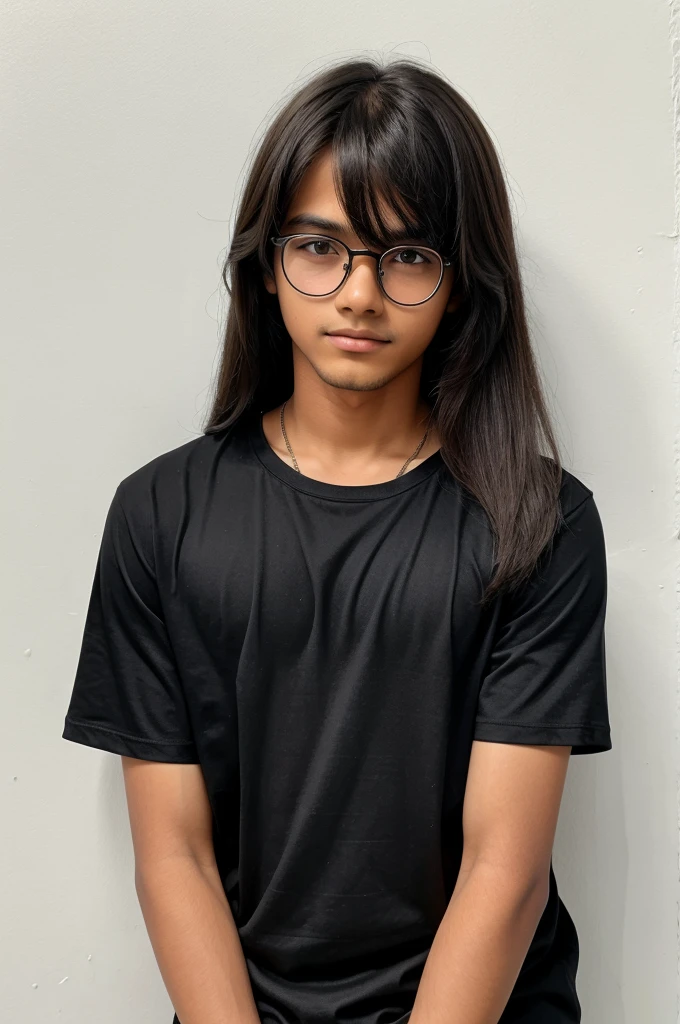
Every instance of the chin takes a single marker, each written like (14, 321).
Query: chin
(347, 382)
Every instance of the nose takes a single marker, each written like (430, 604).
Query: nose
(361, 290)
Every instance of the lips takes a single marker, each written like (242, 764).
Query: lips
(349, 332)
(351, 343)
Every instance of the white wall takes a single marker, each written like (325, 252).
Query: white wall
(126, 127)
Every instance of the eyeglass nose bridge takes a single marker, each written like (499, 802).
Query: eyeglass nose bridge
(347, 267)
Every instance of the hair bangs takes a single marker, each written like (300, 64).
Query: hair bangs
(381, 165)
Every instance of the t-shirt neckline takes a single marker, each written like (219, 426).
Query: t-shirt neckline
(340, 492)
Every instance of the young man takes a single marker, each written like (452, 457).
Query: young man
(347, 638)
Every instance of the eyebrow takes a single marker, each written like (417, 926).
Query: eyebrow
(312, 220)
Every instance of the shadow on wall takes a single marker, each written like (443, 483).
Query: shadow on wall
(595, 387)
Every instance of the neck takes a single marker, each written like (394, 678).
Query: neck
(343, 435)
(349, 430)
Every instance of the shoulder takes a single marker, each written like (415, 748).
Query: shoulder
(164, 468)
(185, 464)
(160, 488)
(579, 529)
(578, 538)
(574, 493)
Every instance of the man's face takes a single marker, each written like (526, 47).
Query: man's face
(359, 304)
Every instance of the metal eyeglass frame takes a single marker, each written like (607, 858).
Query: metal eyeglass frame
(281, 240)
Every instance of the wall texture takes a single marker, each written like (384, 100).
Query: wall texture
(126, 129)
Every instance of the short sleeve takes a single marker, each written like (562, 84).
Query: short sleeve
(545, 681)
(127, 695)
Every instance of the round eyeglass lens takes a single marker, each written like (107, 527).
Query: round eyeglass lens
(316, 265)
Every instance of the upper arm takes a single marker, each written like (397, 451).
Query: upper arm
(511, 806)
(545, 681)
(169, 811)
(128, 694)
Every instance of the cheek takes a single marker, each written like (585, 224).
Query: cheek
(417, 327)
(300, 315)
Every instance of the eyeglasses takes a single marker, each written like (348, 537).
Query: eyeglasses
(318, 265)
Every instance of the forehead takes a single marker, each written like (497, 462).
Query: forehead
(316, 195)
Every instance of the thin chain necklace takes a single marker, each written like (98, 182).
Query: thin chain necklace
(410, 458)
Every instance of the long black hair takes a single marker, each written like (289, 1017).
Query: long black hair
(398, 132)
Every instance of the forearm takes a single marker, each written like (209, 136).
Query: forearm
(478, 950)
(196, 943)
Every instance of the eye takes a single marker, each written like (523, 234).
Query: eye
(410, 254)
(320, 242)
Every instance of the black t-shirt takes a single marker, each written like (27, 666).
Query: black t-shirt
(319, 650)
